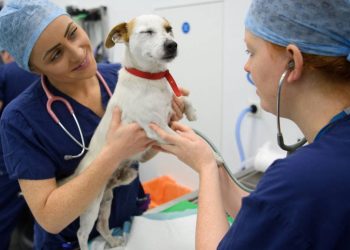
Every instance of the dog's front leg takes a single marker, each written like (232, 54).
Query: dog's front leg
(189, 110)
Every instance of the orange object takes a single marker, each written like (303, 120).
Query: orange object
(163, 189)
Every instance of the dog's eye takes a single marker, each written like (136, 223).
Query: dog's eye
(168, 29)
(149, 32)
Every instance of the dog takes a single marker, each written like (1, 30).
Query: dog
(149, 47)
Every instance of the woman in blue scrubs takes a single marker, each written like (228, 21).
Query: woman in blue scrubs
(13, 81)
(301, 47)
(44, 39)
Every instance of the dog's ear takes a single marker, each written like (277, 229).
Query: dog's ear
(119, 34)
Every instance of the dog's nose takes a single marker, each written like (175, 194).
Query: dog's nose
(170, 46)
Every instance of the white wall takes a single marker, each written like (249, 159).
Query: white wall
(236, 92)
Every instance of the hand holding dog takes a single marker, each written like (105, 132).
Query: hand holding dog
(178, 105)
(186, 145)
(130, 139)
(125, 140)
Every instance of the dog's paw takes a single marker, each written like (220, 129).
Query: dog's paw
(116, 241)
(191, 116)
(189, 111)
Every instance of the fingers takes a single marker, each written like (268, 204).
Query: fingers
(158, 130)
(179, 103)
(177, 111)
(159, 148)
(135, 127)
(184, 92)
(176, 126)
(150, 143)
(172, 139)
(116, 121)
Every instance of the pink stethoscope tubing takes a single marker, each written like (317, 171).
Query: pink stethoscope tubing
(51, 99)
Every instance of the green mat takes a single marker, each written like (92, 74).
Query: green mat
(184, 205)
(181, 206)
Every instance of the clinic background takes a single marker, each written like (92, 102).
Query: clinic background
(210, 36)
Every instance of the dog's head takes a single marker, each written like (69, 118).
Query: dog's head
(149, 39)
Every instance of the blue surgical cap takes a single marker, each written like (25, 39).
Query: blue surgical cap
(316, 27)
(21, 24)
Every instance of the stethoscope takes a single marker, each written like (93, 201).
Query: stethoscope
(51, 99)
(289, 148)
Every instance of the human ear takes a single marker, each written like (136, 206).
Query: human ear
(34, 69)
(296, 57)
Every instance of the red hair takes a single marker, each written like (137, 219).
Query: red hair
(333, 68)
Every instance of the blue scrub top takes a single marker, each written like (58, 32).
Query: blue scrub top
(302, 201)
(13, 81)
(34, 147)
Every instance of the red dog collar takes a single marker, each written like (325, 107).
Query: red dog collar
(156, 76)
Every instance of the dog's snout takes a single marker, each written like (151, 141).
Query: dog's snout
(170, 46)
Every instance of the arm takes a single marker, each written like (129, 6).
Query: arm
(195, 152)
(55, 207)
(233, 194)
(212, 224)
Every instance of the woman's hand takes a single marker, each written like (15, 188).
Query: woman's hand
(186, 145)
(125, 140)
(178, 105)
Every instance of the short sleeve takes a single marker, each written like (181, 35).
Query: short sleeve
(260, 226)
(24, 155)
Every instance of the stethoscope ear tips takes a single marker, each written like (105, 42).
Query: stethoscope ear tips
(291, 65)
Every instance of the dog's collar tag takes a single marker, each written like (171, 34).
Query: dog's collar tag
(156, 76)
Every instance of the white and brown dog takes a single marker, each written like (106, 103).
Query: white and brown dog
(144, 93)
